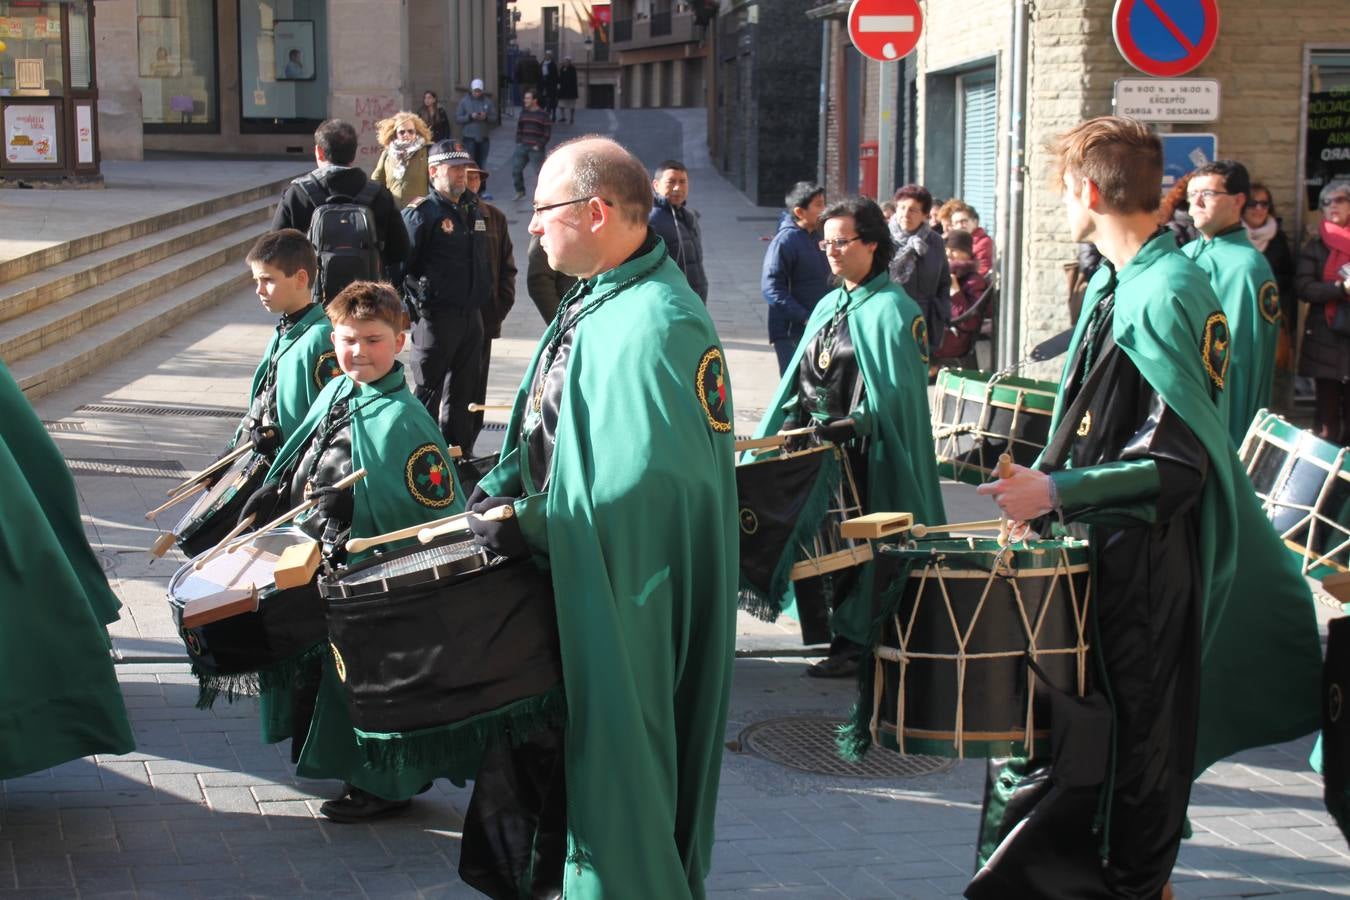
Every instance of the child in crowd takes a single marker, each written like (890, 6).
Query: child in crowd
(967, 287)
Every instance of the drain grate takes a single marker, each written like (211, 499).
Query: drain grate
(806, 743)
(158, 409)
(65, 426)
(133, 468)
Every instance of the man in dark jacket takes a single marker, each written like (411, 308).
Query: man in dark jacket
(796, 273)
(450, 274)
(677, 224)
(334, 151)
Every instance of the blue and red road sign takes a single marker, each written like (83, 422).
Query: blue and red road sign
(1165, 38)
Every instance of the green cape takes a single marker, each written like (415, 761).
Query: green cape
(59, 697)
(306, 364)
(1251, 300)
(890, 342)
(1261, 653)
(639, 530)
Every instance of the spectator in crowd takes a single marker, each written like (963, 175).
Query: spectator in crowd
(568, 90)
(548, 85)
(964, 217)
(677, 224)
(1266, 233)
(527, 75)
(1174, 212)
(502, 262)
(546, 284)
(968, 285)
(888, 210)
(532, 135)
(1323, 280)
(476, 113)
(402, 166)
(920, 264)
(795, 273)
(934, 222)
(435, 116)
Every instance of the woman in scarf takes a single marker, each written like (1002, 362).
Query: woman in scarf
(920, 263)
(1323, 280)
(402, 166)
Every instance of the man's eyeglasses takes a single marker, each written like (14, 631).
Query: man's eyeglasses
(1257, 204)
(1339, 198)
(1207, 196)
(547, 206)
(838, 243)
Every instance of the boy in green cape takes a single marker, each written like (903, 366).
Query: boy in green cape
(618, 464)
(59, 698)
(1244, 284)
(1203, 633)
(367, 420)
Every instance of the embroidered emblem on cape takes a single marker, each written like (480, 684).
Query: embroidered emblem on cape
(1214, 350)
(1268, 301)
(1085, 426)
(919, 328)
(192, 641)
(711, 385)
(326, 368)
(749, 521)
(448, 226)
(338, 663)
(428, 477)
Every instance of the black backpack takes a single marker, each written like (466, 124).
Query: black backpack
(342, 231)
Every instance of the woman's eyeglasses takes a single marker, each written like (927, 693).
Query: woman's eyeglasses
(1339, 198)
(1257, 204)
(838, 243)
(406, 131)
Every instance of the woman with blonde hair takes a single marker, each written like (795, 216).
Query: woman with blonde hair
(402, 166)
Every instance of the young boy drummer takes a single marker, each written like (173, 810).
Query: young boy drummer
(368, 420)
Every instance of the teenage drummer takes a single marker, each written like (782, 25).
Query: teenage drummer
(860, 377)
(1204, 634)
(367, 420)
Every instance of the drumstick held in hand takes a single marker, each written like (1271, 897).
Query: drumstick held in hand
(291, 514)
(212, 469)
(176, 498)
(489, 407)
(356, 545)
(1004, 470)
(773, 440)
(220, 547)
(920, 530)
(430, 532)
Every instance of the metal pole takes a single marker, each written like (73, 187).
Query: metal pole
(1010, 306)
(821, 146)
(886, 131)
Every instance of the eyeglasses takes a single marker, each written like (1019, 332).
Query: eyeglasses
(406, 131)
(1207, 196)
(1257, 204)
(1339, 198)
(838, 243)
(547, 206)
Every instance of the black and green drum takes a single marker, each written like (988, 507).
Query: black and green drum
(978, 415)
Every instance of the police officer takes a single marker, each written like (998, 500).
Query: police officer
(449, 279)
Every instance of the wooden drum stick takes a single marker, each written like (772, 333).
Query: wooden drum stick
(1004, 469)
(220, 548)
(921, 530)
(356, 545)
(434, 530)
(773, 440)
(291, 514)
(212, 469)
(176, 499)
(489, 407)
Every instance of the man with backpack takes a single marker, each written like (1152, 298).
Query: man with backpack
(352, 222)
(449, 282)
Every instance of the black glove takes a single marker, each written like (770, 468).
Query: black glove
(263, 504)
(265, 438)
(497, 528)
(837, 431)
(334, 503)
(477, 496)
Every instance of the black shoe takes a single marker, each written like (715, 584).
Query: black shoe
(841, 665)
(362, 806)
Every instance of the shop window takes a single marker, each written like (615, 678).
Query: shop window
(1327, 121)
(283, 65)
(176, 54)
(977, 163)
(32, 64)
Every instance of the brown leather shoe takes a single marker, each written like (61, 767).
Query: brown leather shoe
(842, 665)
(362, 806)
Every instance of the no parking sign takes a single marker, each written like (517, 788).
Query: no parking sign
(1165, 38)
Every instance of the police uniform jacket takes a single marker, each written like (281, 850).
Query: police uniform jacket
(450, 248)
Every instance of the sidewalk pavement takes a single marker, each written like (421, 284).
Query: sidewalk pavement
(204, 809)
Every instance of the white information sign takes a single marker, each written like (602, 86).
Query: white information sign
(30, 134)
(1168, 99)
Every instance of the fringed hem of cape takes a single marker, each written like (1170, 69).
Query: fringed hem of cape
(444, 745)
(212, 685)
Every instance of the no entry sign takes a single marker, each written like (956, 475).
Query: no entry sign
(1165, 38)
(886, 30)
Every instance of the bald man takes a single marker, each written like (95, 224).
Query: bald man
(618, 465)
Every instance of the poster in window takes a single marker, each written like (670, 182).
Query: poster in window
(84, 134)
(30, 134)
(293, 40)
(160, 51)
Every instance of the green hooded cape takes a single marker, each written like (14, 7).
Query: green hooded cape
(1261, 653)
(1251, 300)
(306, 363)
(639, 531)
(890, 342)
(59, 697)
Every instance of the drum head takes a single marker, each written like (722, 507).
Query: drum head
(975, 419)
(449, 555)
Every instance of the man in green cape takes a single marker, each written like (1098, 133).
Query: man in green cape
(367, 420)
(1244, 284)
(1204, 636)
(59, 698)
(618, 464)
(860, 376)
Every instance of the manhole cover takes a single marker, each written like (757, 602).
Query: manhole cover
(806, 743)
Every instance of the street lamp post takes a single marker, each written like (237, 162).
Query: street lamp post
(587, 94)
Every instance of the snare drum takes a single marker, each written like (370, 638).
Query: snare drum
(217, 511)
(951, 675)
(427, 639)
(285, 624)
(978, 416)
(1303, 483)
